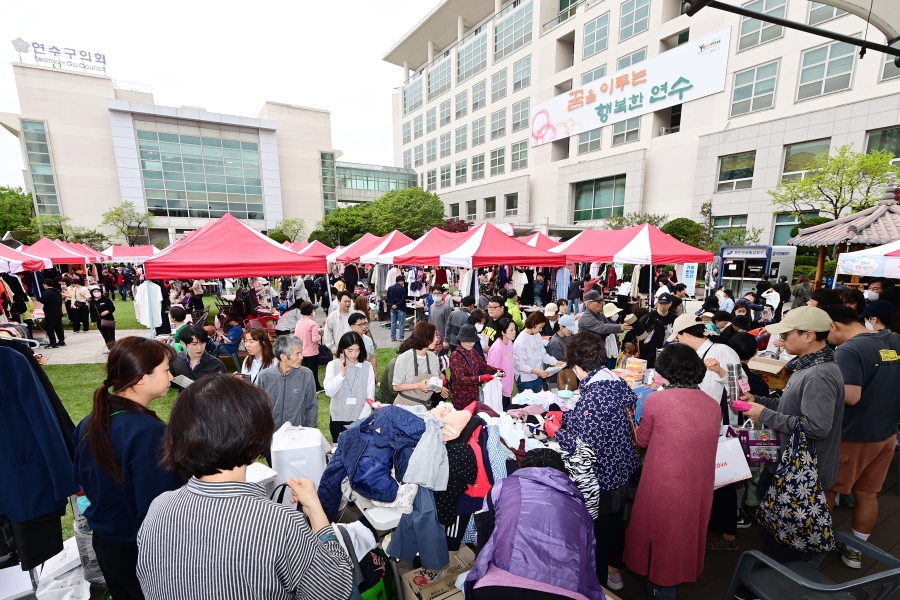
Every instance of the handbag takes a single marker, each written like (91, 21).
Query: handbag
(794, 508)
(580, 465)
(108, 323)
(731, 466)
(79, 304)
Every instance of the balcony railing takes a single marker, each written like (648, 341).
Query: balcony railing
(561, 17)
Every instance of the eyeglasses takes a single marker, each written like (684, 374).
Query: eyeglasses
(493, 306)
(784, 335)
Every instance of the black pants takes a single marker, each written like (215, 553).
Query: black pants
(109, 335)
(55, 331)
(79, 318)
(119, 567)
(506, 402)
(337, 428)
(723, 518)
(197, 302)
(609, 532)
(493, 592)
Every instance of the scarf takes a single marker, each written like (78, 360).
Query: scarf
(825, 355)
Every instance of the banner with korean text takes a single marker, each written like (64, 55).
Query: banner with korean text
(688, 72)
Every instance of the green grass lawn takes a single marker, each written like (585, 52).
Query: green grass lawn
(76, 384)
(126, 319)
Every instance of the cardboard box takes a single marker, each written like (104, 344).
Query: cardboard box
(425, 584)
(772, 370)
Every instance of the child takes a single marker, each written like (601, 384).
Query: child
(629, 350)
(283, 303)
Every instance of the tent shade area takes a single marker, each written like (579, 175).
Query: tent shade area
(229, 248)
(60, 255)
(315, 248)
(538, 240)
(880, 261)
(641, 245)
(364, 244)
(130, 254)
(423, 252)
(13, 261)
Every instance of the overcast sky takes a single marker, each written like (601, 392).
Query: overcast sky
(230, 57)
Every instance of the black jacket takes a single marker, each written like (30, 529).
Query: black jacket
(208, 364)
(52, 299)
(101, 305)
(784, 290)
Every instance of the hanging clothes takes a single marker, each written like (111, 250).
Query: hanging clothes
(595, 269)
(611, 278)
(520, 281)
(148, 304)
(563, 277)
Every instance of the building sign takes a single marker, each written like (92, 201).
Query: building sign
(690, 71)
(745, 252)
(60, 57)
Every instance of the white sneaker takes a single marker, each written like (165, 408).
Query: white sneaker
(614, 581)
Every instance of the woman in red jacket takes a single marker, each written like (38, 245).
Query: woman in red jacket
(467, 369)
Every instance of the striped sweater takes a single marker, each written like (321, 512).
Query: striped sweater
(227, 540)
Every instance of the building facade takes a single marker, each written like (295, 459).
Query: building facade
(89, 142)
(474, 70)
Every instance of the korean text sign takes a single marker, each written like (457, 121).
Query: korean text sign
(693, 70)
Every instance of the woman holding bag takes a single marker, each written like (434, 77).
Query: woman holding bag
(102, 309)
(416, 366)
(467, 369)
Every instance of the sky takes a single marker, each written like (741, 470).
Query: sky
(230, 57)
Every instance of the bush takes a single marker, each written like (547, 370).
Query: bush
(830, 268)
(807, 261)
(810, 272)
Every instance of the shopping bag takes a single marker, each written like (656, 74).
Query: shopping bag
(760, 444)
(493, 394)
(69, 586)
(794, 508)
(299, 452)
(731, 466)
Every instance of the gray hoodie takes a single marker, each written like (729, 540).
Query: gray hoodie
(293, 396)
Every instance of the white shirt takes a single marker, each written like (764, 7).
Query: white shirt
(334, 380)
(529, 353)
(712, 384)
(625, 289)
(254, 369)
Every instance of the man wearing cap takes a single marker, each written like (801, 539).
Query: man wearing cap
(458, 318)
(658, 325)
(870, 365)
(556, 347)
(551, 311)
(815, 393)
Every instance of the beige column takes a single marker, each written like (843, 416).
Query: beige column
(405, 71)
(498, 6)
(430, 51)
(460, 29)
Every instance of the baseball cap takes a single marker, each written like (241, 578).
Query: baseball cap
(551, 309)
(593, 296)
(881, 309)
(569, 323)
(664, 298)
(681, 323)
(805, 318)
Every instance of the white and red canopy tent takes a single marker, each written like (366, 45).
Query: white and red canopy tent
(641, 245)
(357, 248)
(316, 248)
(57, 253)
(93, 255)
(14, 261)
(391, 243)
(228, 248)
(425, 248)
(130, 254)
(878, 261)
(539, 240)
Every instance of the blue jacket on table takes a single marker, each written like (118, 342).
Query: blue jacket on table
(36, 466)
(368, 451)
(116, 512)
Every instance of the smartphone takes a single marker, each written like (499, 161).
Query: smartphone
(245, 377)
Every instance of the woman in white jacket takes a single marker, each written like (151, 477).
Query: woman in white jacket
(530, 356)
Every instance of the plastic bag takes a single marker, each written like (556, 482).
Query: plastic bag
(493, 394)
(71, 585)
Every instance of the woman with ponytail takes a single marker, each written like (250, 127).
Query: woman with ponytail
(118, 448)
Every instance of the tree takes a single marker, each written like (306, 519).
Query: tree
(160, 244)
(839, 183)
(91, 237)
(456, 225)
(344, 225)
(634, 219)
(686, 230)
(412, 211)
(57, 227)
(713, 238)
(288, 230)
(16, 209)
(129, 222)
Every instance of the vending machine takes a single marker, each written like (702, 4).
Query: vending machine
(741, 267)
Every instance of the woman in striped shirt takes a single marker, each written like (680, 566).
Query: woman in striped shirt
(220, 536)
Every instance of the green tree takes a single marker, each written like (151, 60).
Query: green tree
(91, 237)
(686, 230)
(839, 183)
(634, 219)
(161, 244)
(49, 226)
(288, 230)
(344, 225)
(16, 209)
(713, 238)
(412, 211)
(129, 222)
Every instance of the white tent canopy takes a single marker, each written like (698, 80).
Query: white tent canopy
(871, 262)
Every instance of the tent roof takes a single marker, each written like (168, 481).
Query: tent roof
(315, 248)
(229, 248)
(879, 224)
(641, 245)
(486, 246)
(425, 251)
(85, 250)
(130, 254)
(393, 241)
(880, 261)
(356, 249)
(14, 261)
(538, 240)
(59, 254)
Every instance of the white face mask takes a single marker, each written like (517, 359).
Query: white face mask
(614, 318)
(869, 326)
(479, 326)
(739, 314)
(96, 294)
(871, 296)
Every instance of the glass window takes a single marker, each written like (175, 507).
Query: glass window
(471, 207)
(430, 120)
(407, 132)
(498, 124)
(479, 95)
(419, 155)
(478, 131)
(445, 113)
(498, 161)
(440, 77)
(513, 32)
(498, 85)
(889, 70)
(522, 74)
(519, 156)
(460, 171)
(462, 104)
(431, 150)
(736, 172)
(590, 76)
(490, 208)
(784, 223)
(460, 138)
(520, 115)
(589, 141)
(407, 159)
(754, 89)
(478, 167)
(819, 13)
(596, 36)
(626, 131)
(826, 69)
(412, 96)
(635, 18)
(730, 223)
(512, 205)
(417, 127)
(886, 140)
(798, 156)
(432, 180)
(631, 59)
(445, 176)
(754, 31)
(445, 145)
(454, 210)
(600, 198)
(471, 58)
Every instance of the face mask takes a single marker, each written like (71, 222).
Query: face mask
(740, 314)
(614, 318)
(871, 296)
(96, 294)
(436, 298)
(869, 326)
(479, 326)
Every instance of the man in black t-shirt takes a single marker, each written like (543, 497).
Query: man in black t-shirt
(496, 309)
(658, 324)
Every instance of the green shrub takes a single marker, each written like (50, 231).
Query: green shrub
(810, 272)
(806, 261)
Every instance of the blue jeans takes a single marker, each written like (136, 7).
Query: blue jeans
(659, 592)
(398, 316)
(121, 290)
(573, 307)
(534, 385)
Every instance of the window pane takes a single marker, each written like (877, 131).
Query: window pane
(797, 156)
